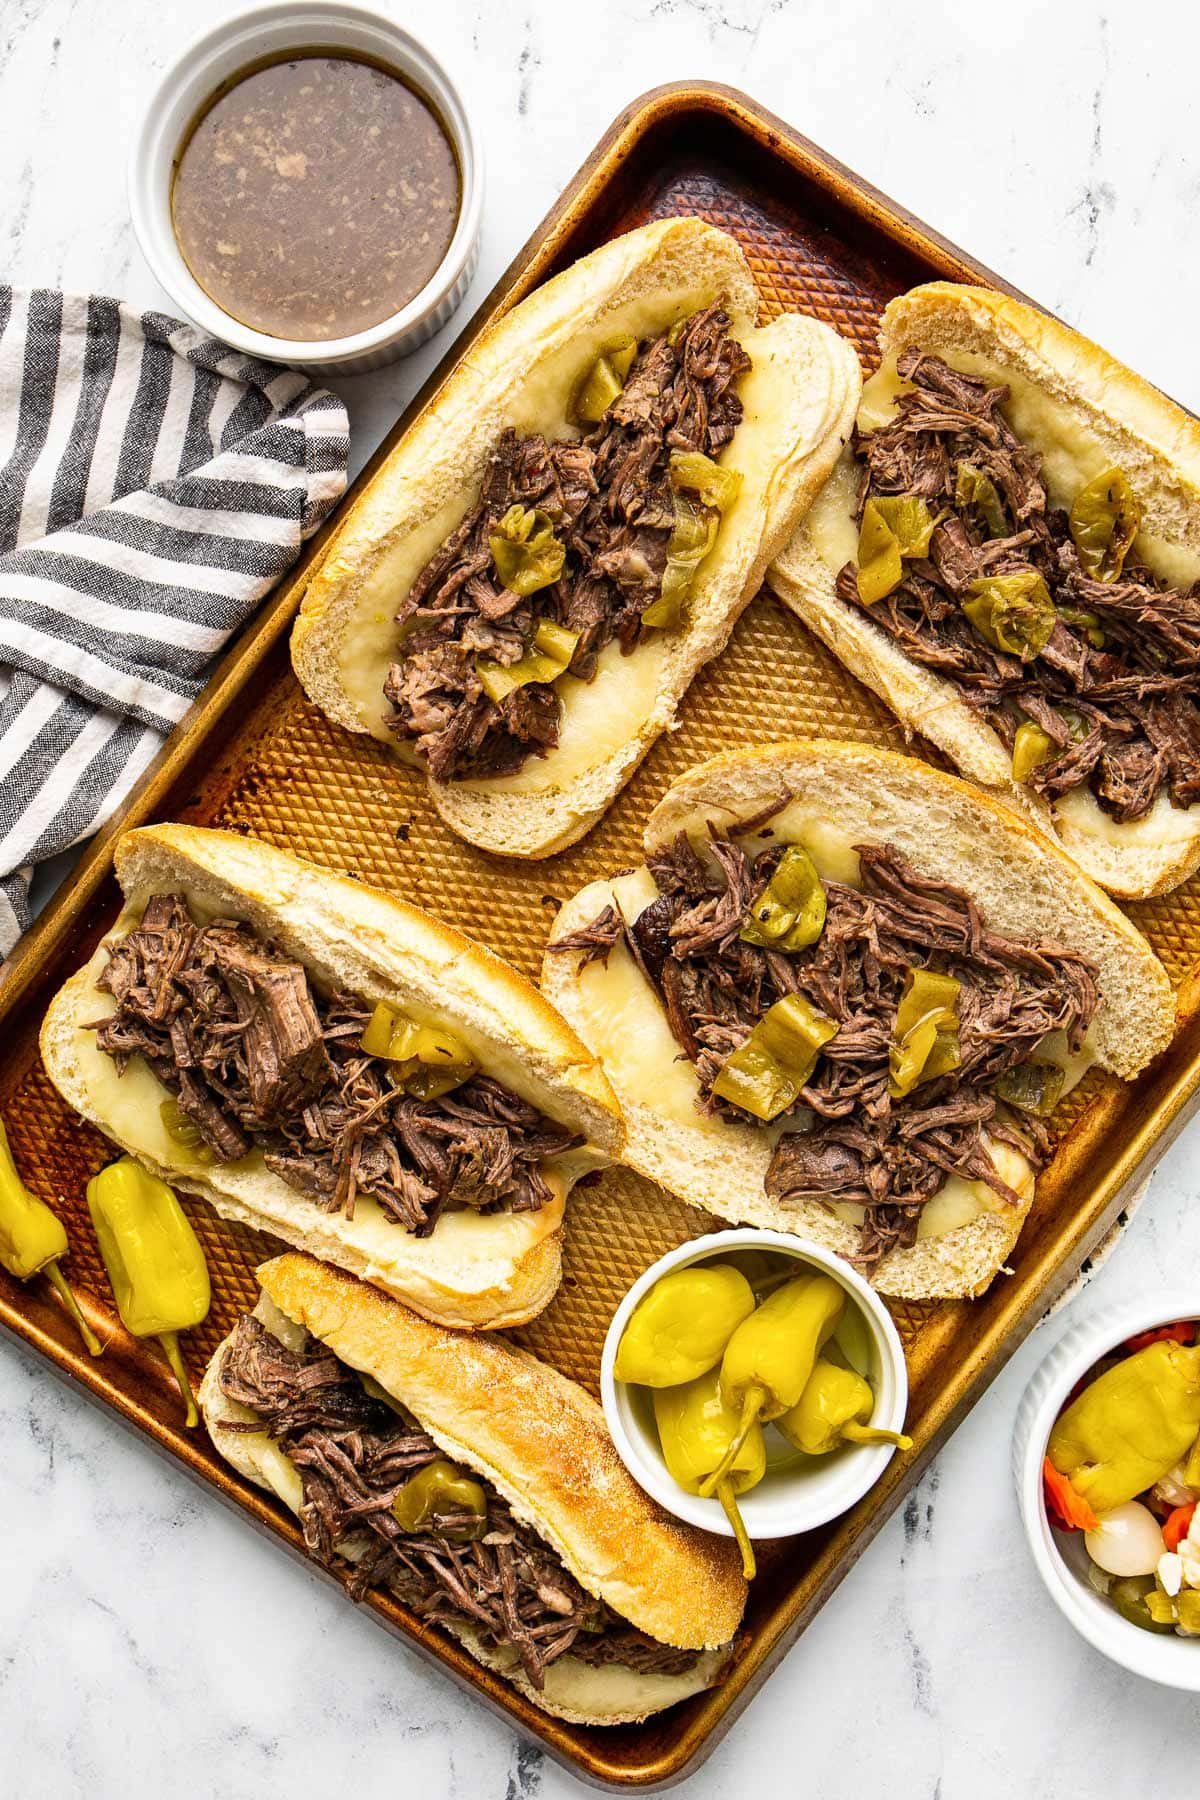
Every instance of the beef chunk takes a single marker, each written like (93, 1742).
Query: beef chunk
(286, 1063)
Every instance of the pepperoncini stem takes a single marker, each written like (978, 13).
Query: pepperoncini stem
(733, 1513)
(752, 1406)
(58, 1280)
(170, 1343)
(874, 1434)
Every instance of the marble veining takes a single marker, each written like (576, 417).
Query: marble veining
(149, 1640)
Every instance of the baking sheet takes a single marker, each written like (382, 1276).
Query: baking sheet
(255, 756)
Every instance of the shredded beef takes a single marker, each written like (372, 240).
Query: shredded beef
(354, 1452)
(1125, 717)
(255, 1057)
(610, 500)
(852, 1141)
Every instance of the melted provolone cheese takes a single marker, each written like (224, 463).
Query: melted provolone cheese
(1163, 824)
(829, 844)
(830, 519)
(598, 717)
(627, 1026)
(960, 1201)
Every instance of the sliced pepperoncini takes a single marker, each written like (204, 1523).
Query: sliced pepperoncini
(789, 914)
(973, 488)
(692, 537)
(1104, 521)
(765, 1075)
(925, 1044)
(184, 1132)
(550, 657)
(1031, 746)
(431, 1060)
(526, 552)
(603, 382)
(1032, 1087)
(442, 1495)
(714, 485)
(1013, 612)
(894, 526)
(1087, 621)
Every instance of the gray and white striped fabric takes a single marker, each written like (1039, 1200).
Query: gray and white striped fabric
(154, 485)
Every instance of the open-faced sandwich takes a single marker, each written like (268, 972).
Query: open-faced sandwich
(481, 1486)
(329, 1064)
(571, 527)
(843, 995)
(1009, 554)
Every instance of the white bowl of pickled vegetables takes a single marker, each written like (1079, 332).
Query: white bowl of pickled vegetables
(754, 1384)
(1107, 1465)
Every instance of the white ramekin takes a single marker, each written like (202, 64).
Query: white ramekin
(789, 1499)
(194, 77)
(1060, 1557)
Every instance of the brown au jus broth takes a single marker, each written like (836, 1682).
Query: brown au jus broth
(315, 196)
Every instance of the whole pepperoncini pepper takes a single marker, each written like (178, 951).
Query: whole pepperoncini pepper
(33, 1238)
(696, 1430)
(769, 1358)
(679, 1330)
(1130, 1426)
(154, 1262)
(834, 1409)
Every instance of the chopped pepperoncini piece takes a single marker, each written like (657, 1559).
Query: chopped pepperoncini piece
(1088, 622)
(692, 537)
(525, 550)
(715, 486)
(430, 1060)
(1104, 521)
(550, 657)
(764, 1076)
(603, 381)
(789, 914)
(925, 1044)
(184, 1131)
(893, 526)
(1013, 612)
(973, 488)
(442, 1497)
(1031, 746)
(1034, 1087)
(1160, 1606)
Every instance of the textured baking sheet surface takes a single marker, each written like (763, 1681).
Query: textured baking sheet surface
(285, 774)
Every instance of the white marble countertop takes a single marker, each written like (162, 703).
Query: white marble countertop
(149, 1640)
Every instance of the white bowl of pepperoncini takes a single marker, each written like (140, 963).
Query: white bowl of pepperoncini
(1106, 1460)
(754, 1385)
(306, 186)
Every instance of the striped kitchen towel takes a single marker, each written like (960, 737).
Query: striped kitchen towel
(154, 485)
